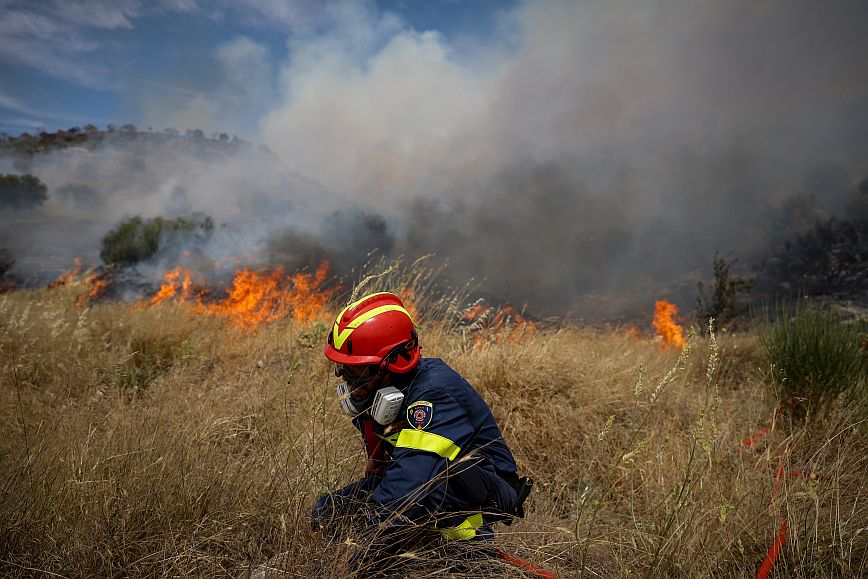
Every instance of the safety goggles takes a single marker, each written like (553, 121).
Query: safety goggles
(353, 377)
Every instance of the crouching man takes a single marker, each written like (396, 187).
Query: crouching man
(437, 463)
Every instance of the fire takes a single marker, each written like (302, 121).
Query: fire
(408, 296)
(253, 297)
(476, 312)
(491, 323)
(665, 325)
(68, 276)
(171, 286)
(306, 299)
(98, 286)
(520, 325)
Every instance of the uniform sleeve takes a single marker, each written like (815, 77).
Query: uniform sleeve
(421, 453)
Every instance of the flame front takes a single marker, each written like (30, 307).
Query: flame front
(665, 325)
(98, 287)
(66, 277)
(253, 298)
(171, 286)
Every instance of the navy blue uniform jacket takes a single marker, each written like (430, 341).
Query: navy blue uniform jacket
(445, 419)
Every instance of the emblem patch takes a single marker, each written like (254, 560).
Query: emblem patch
(419, 414)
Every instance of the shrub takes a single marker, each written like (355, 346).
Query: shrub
(22, 191)
(722, 303)
(815, 355)
(137, 239)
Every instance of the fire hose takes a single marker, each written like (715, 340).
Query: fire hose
(777, 545)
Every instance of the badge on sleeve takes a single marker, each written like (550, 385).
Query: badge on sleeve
(419, 414)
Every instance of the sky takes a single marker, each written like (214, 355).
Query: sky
(204, 64)
(564, 151)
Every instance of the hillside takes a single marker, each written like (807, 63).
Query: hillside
(90, 137)
(63, 192)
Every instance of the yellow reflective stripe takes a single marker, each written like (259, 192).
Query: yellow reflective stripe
(464, 531)
(391, 439)
(428, 441)
(343, 311)
(337, 321)
(340, 338)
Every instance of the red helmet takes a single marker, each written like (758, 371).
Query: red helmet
(375, 330)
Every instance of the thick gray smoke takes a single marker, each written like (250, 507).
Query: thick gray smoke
(592, 157)
(599, 146)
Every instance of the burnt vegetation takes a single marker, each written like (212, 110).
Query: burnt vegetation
(830, 259)
(818, 251)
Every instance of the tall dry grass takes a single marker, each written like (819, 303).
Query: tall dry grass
(156, 442)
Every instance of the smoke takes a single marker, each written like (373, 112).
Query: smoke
(584, 157)
(91, 190)
(593, 145)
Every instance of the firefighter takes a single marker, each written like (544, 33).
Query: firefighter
(437, 462)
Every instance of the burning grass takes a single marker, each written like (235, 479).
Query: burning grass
(156, 441)
(665, 325)
(253, 298)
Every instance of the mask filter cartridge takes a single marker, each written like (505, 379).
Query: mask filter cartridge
(387, 405)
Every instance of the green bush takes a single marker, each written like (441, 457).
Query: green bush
(22, 191)
(815, 355)
(137, 239)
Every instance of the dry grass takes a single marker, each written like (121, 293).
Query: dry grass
(154, 442)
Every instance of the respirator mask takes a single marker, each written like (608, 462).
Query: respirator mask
(384, 405)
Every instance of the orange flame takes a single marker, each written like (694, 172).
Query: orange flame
(408, 296)
(254, 298)
(98, 287)
(476, 311)
(171, 285)
(68, 276)
(665, 325)
(505, 322)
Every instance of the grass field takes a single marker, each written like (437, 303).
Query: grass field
(157, 441)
